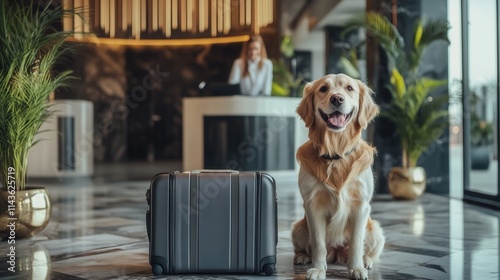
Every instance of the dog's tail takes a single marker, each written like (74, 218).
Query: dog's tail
(374, 242)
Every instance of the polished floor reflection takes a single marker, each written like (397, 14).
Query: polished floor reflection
(97, 231)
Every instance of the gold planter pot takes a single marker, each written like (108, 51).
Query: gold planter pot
(406, 183)
(25, 213)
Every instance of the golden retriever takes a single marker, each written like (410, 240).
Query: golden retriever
(336, 180)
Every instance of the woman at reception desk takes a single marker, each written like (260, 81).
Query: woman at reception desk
(253, 70)
(250, 131)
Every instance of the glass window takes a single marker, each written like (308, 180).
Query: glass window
(482, 96)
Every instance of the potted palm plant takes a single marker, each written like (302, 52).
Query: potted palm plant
(30, 48)
(419, 118)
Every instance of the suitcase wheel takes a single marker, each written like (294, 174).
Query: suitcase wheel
(157, 269)
(268, 269)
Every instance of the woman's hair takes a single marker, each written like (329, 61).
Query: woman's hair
(244, 52)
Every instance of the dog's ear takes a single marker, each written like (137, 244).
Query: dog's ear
(306, 106)
(367, 108)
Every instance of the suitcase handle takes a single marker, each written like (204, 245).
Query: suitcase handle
(199, 171)
(148, 224)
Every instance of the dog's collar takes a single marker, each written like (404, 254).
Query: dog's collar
(337, 156)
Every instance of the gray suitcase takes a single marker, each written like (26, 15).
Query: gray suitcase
(212, 221)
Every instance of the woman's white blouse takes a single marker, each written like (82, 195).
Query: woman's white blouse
(257, 82)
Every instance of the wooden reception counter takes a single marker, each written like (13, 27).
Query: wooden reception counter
(246, 133)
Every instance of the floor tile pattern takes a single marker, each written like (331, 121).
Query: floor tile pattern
(97, 231)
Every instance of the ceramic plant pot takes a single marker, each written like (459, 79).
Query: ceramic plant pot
(24, 214)
(406, 183)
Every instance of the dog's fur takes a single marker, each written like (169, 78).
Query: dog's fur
(337, 227)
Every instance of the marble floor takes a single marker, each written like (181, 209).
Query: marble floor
(97, 231)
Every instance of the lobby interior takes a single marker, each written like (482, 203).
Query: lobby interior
(131, 123)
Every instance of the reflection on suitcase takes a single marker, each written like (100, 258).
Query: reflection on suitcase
(212, 221)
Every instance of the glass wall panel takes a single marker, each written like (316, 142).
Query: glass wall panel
(482, 97)
(455, 106)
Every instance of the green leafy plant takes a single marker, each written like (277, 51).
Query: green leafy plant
(30, 47)
(419, 118)
(481, 130)
(283, 80)
(349, 62)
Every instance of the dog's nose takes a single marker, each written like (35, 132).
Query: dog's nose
(337, 99)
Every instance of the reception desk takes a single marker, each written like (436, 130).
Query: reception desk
(246, 133)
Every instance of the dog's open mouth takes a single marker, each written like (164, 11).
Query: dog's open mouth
(335, 120)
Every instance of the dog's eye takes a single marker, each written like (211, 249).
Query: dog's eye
(323, 89)
(349, 88)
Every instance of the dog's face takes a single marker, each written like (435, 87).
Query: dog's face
(337, 101)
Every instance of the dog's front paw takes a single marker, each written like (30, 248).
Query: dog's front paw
(316, 274)
(358, 273)
(301, 258)
(368, 263)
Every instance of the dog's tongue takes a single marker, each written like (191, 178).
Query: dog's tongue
(337, 119)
